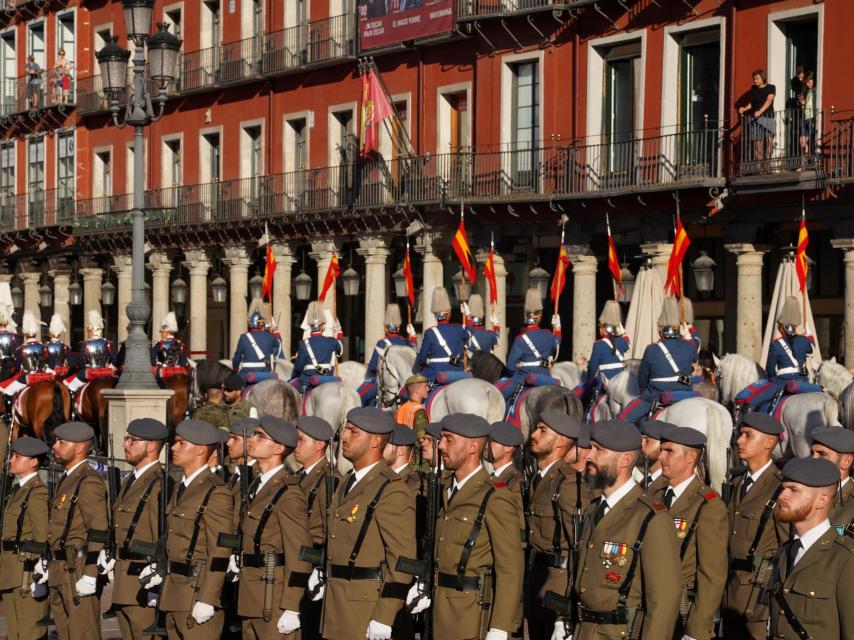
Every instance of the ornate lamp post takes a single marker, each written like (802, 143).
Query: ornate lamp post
(163, 50)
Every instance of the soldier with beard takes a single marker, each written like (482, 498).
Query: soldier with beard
(649, 475)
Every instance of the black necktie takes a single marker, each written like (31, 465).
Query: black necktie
(452, 493)
(748, 481)
(128, 483)
(253, 487)
(794, 547)
(669, 496)
(537, 479)
(647, 482)
(600, 511)
(351, 480)
(302, 474)
(180, 492)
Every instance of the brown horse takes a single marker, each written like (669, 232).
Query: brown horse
(40, 408)
(178, 404)
(93, 407)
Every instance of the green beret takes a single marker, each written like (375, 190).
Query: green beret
(29, 447)
(562, 424)
(836, 438)
(74, 432)
(507, 434)
(403, 436)
(280, 430)
(200, 432)
(811, 472)
(315, 427)
(762, 422)
(616, 435)
(240, 425)
(685, 436)
(467, 425)
(148, 429)
(371, 420)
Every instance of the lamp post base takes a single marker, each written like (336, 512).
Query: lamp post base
(124, 405)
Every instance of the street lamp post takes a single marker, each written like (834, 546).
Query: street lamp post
(163, 50)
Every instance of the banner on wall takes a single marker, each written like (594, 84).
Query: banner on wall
(385, 23)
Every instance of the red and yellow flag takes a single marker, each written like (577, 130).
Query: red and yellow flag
(460, 243)
(489, 273)
(559, 279)
(332, 273)
(376, 107)
(407, 274)
(269, 265)
(681, 243)
(613, 261)
(801, 265)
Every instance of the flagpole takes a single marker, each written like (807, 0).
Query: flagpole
(804, 291)
(681, 283)
(406, 284)
(613, 280)
(562, 238)
(462, 289)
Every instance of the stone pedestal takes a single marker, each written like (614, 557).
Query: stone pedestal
(433, 273)
(30, 281)
(500, 307)
(237, 260)
(282, 311)
(748, 334)
(124, 276)
(375, 251)
(124, 405)
(321, 252)
(846, 245)
(583, 304)
(160, 266)
(198, 264)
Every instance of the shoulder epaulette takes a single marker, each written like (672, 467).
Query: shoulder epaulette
(846, 540)
(291, 479)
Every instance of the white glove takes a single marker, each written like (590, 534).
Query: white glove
(556, 321)
(316, 585)
(621, 330)
(378, 631)
(559, 632)
(493, 319)
(105, 563)
(39, 590)
(202, 612)
(464, 309)
(151, 598)
(288, 622)
(419, 597)
(150, 577)
(336, 328)
(233, 573)
(410, 330)
(687, 637)
(684, 332)
(86, 586)
(40, 571)
(496, 634)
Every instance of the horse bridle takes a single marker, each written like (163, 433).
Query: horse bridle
(387, 399)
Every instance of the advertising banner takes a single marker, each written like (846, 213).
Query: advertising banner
(384, 23)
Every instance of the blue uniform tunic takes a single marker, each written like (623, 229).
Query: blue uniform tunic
(480, 339)
(256, 364)
(322, 348)
(433, 358)
(787, 357)
(656, 373)
(604, 358)
(529, 351)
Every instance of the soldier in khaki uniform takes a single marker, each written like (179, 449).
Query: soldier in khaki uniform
(371, 524)
(136, 517)
(755, 534)
(235, 448)
(479, 586)
(318, 484)
(557, 500)
(24, 539)
(700, 521)
(649, 474)
(200, 508)
(274, 527)
(837, 445)
(213, 410)
(628, 577)
(812, 594)
(235, 405)
(505, 441)
(398, 455)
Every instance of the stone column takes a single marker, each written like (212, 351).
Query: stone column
(92, 280)
(433, 273)
(660, 253)
(237, 259)
(748, 334)
(321, 252)
(583, 301)
(847, 246)
(197, 264)
(282, 313)
(160, 266)
(124, 276)
(30, 281)
(61, 275)
(375, 251)
(500, 307)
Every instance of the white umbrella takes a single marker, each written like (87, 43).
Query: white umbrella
(785, 286)
(644, 309)
(6, 301)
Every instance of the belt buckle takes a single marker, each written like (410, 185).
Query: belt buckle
(684, 379)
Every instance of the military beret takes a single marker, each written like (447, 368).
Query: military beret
(148, 429)
(416, 379)
(434, 430)
(762, 422)
(616, 435)
(74, 432)
(811, 472)
(685, 436)
(29, 447)
(467, 425)
(584, 439)
(233, 382)
(280, 430)
(839, 439)
(315, 427)
(244, 424)
(371, 420)
(654, 428)
(507, 434)
(200, 432)
(562, 423)
(403, 436)
(222, 434)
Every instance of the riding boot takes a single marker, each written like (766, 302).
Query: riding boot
(514, 397)
(7, 404)
(772, 406)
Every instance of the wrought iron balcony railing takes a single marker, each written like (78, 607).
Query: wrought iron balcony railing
(36, 208)
(24, 94)
(790, 140)
(840, 148)
(315, 43)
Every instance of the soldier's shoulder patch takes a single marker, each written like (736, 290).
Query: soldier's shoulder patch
(710, 495)
(499, 485)
(291, 479)
(658, 505)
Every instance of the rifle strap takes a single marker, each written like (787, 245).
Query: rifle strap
(140, 507)
(763, 520)
(312, 494)
(474, 533)
(70, 516)
(369, 515)
(558, 518)
(686, 541)
(791, 618)
(262, 521)
(626, 586)
(21, 515)
(197, 525)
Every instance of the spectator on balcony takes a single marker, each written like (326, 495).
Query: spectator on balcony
(807, 104)
(762, 126)
(62, 77)
(34, 81)
(796, 86)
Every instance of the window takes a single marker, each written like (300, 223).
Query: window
(801, 52)
(345, 139)
(7, 185)
(211, 36)
(102, 176)
(65, 174)
(65, 34)
(35, 44)
(700, 57)
(525, 125)
(296, 145)
(171, 162)
(173, 19)
(210, 157)
(8, 73)
(35, 181)
(621, 98)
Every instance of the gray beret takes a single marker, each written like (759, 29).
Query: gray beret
(467, 425)
(249, 424)
(403, 436)
(507, 434)
(762, 422)
(315, 427)
(811, 472)
(223, 435)
(583, 441)
(280, 430)
(200, 432)
(654, 428)
(371, 420)
(148, 429)
(685, 436)
(839, 439)
(29, 447)
(233, 382)
(434, 430)
(74, 432)
(616, 435)
(563, 424)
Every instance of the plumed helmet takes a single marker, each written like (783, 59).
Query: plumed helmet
(314, 315)
(29, 325)
(476, 308)
(5, 316)
(57, 326)
(392, 316)
(611, 315)
(170, 323)
(441, 301)
(790, 314)
(689, 310)
(533, 301)
(669, 313)
(95, 323)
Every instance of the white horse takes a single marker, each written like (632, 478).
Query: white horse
(833, 377)
(569, 374)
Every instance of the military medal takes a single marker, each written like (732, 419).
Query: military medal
(681, 525)
(617, 550)
(353, 512)
(62, 500)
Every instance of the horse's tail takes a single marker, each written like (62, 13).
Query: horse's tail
(60, 410)
(831, 411)
(290, 403)
(717, 443)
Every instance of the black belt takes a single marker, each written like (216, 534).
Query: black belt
(550, 560)
(259, 560)
(131, 556)
(741, 564)
(90, 556)
(189, 570)
(601, 617)
(346, 572)
(460, 583)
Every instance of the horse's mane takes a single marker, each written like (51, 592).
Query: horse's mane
(737, 372)
(632, 366)
(846, 407)
(834, 377)
(555, 398)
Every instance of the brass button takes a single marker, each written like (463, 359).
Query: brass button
(812, 594)
(331, 535)
(583, 590)
(336, 514)
(733, 532)
(590, 546)
(785, 590)
(465, 519)
(737, 512)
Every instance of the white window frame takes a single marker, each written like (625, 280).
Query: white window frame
(288, 161)
(166, 160)
(443, 114)
(98, 174)
(776, 56)
(246, 146)
(333, 158)
(204, 150)
(507, 76)
(384, 137)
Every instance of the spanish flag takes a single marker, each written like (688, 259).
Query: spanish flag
(559, 280)
(269, 264)
(681, 242)
(801, 265)
(489, 273)
(613, 262)
(332, 273)
(407, 274)
(460, 243)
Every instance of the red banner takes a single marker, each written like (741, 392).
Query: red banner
(384, 23)
(801, 264)
(559, 278)
(681, 242)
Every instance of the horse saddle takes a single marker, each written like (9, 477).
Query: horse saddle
(800, 386)
(668, 398)
(170, 371)
(316, 380)
(93, 373)
(447, 377)
(39, 376)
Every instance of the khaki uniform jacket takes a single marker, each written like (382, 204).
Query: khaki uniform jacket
(512, 478)
(177, 590)
(238, 410)
(285, 532)
(126, 587)
(842, 513)
(820, 590)
(350, 605)
(497, 550)
(605, 554)
(214, 414)
(233, 486)
(89, 514)
(29, 506)
(704, 571)
(313, 485)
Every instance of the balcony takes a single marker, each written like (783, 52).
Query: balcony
(316, 43)
(479, 9)
(840, 148)
(91, 99)
(37, 208)
(24, 94)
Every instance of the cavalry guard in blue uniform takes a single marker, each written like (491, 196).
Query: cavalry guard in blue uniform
(393, 323)
(9, 343)
(316, 354)
(533, 351)
(31, 354)
(609, 351)
(57, 350)
(666, 367)
(96, 352)
(255, 356)
(787, 363)
(169, 352)
(440, 358)
(479, 337)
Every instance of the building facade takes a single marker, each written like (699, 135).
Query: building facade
(526, 114)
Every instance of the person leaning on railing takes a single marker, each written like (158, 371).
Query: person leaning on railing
(763, 128)
(34, 81)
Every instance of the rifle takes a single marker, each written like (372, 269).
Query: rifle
(47, 621)
(234, 541)
(4, 484)
(313, 555)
